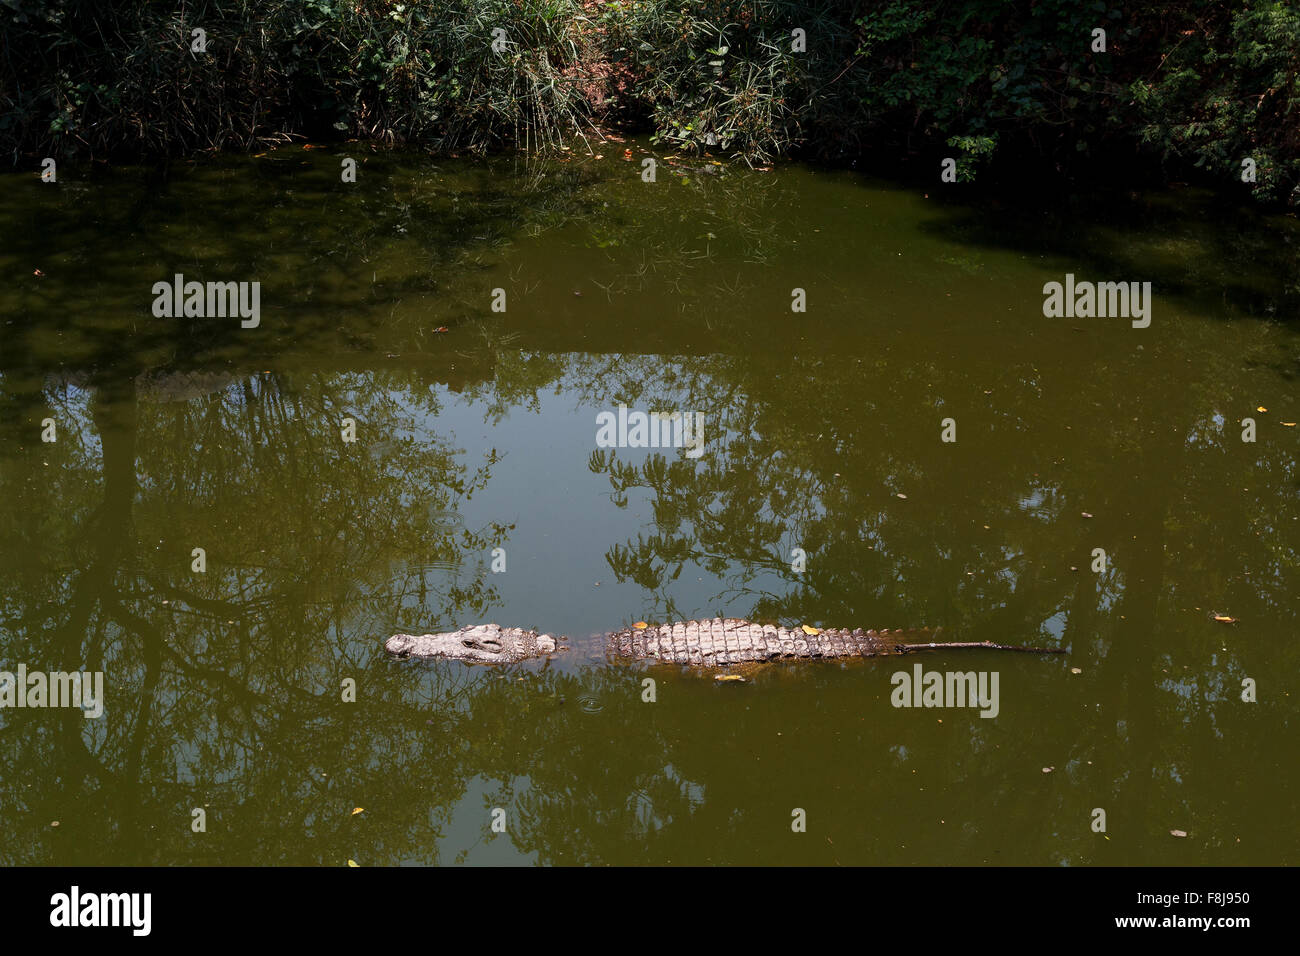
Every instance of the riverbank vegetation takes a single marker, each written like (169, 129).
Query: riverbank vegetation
(1183, 90)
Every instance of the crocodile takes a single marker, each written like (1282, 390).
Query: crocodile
(717, 642)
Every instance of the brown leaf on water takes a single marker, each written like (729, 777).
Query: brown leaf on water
(809, 630)
(39, 274)
(441, 328)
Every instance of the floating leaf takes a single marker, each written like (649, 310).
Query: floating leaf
(1261, 409)
(1048, 769)
(1178, 833)
(809, 630)
(640, 625)
(353, 863)
(901, 495)
(1224, 619)
(729, 677)
(356, 810)
(1076, 670)
(1289, 424)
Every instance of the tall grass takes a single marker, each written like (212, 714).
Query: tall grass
(1195, 81)
(97, 77)
(732, 75)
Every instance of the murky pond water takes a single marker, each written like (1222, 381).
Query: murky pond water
(476, 490)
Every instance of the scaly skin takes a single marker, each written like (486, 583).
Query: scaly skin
(707, 643)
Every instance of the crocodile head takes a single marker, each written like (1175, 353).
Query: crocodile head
(476, 644)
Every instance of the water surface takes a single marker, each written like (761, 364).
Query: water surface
(476, 431)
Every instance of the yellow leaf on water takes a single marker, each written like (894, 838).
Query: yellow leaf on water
(729, 677)
(1225, 619)
(1261, 409)
(1289, 424)
(809, 630)
(640, 625)
(353, 863)
(356, 810)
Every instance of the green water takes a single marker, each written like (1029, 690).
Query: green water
(224, 689)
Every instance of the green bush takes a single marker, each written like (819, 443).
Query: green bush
(122, 77)
(1197, 83)
(731, 74)
(1229, 92)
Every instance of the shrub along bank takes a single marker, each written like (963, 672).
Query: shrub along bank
(1182, 88)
